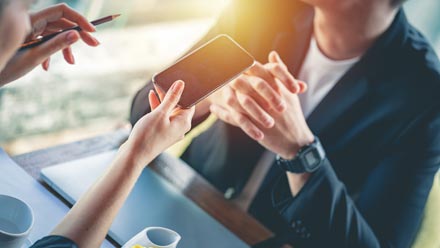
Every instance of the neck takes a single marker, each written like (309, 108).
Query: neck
(350, 31)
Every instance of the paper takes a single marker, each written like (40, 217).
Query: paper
(48, 210)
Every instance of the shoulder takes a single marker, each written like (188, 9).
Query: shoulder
(411, 75)
(421, 65)
(422, 58)
(405, 85)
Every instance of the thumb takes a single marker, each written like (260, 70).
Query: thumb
(172, 97)
(184, 117)
(58, 43)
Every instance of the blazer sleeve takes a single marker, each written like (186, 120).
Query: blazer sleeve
(389, 208)
(54, 242)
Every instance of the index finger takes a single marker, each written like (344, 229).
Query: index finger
(260, 71)
(59, 11)
(279, 70)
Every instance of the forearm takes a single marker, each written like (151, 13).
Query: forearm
(89, 220)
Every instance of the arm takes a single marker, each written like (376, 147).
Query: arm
(389, 208)
(44, 22)
(88, 221)
(390, 205)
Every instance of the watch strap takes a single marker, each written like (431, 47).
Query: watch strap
(296, 165)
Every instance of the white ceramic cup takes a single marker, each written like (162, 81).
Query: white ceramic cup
(16, 221)
(162, 237)
(157, 237)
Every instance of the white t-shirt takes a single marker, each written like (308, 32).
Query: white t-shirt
(321, 74)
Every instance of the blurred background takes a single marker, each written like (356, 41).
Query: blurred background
(93, 97)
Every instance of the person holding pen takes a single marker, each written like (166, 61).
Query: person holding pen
(87, 223)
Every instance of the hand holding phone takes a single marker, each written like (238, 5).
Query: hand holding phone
(206, 69)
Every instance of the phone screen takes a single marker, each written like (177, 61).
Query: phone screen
(206, 69)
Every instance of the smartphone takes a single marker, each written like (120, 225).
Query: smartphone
(206, 69)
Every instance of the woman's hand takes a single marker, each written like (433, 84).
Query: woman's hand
(161, 128)
(50, 20)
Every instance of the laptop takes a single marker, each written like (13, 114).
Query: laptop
(153, 202)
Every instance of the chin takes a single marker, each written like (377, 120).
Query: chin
(328, 3)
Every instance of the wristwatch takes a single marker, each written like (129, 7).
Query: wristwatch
(308, 159)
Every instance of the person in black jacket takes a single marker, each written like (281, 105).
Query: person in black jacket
(357, 150)
(88, 222)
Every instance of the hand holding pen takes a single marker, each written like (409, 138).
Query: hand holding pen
(68, 26)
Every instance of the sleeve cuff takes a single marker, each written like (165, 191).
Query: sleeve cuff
(300, 211)
(54, 241)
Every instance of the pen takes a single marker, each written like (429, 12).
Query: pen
(41, 40)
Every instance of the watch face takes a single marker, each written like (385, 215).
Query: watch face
(312, 160)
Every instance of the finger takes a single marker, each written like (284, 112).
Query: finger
(268, 94)
(57, 26)
(255, 111)
(89, 39)
(303, 87)
(159, 92)
(237, 119)
(279, 70)
(222, 114)
(68, 55)
(60, 11)
(284, 76)
(260, 71)
(62, 24)
(60, 42)
(274, 57)
(154, 102)
(243, 84)
(232, 100)
(172, 97)
(46, 64)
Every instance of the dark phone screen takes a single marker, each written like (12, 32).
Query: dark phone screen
(206, 69)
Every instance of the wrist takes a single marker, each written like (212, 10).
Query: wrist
(297, 181)
(292, 150)
(133, 156)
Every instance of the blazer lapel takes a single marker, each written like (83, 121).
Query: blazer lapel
(293, 46)
(347, 92)
(357, 81)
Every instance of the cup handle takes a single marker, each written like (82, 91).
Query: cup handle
(28, 243)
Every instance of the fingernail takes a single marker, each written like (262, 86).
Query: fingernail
(72, 59)
(97, 42)
(281, 107)
(269, 122)
(72, 37)
(258, 135)
(303, 86)
(177, 86)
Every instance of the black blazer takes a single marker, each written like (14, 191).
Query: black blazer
(380, 126)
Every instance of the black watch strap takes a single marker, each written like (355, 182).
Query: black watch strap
(308, 159)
